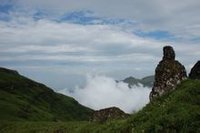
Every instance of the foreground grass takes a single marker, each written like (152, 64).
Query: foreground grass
(176, 112)
(41, 127)
(60, 127)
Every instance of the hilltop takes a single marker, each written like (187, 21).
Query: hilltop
(22, 99)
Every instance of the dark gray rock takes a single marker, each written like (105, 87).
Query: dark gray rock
(195, 71)
(168, 53)
(168, 74)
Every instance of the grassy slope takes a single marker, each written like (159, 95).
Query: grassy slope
(178, 111)
(22, 99)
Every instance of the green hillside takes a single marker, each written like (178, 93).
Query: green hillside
(22, 99)
(175, 112)
(178, 111)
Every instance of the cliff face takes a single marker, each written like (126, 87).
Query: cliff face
(168, 74)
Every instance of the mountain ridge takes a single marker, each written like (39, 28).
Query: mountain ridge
(145, 81)
(24, 99)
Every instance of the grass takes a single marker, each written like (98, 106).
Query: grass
(175, 112)
(22, 99)
(41, 127)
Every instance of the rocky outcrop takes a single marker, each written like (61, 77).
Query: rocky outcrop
(106, 114)
(195, 71)
(168, 74)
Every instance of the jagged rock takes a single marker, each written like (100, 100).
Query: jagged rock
(108, 114)
(195, 71)
(168, 53)
(168, 74)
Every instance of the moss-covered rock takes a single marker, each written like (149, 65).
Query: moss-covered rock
(106, 114)
(169, 73)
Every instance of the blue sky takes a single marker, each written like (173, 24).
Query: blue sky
(59, 43)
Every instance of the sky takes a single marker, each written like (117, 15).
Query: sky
(60, 42)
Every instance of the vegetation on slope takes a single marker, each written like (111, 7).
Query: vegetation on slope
(175, 112)
(22, 99)
(178, 112)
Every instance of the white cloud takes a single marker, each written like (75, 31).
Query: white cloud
(177, 17)
(58, 41)
(102, 92)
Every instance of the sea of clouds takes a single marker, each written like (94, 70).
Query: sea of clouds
(102, 92)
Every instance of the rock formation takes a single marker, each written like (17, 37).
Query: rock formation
(108, 114)
(168, 74)
(195, 71)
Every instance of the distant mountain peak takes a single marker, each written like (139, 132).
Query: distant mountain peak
(131, 77)
(146, 81)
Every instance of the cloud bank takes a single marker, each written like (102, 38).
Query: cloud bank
(102, 92)
(180, 18)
